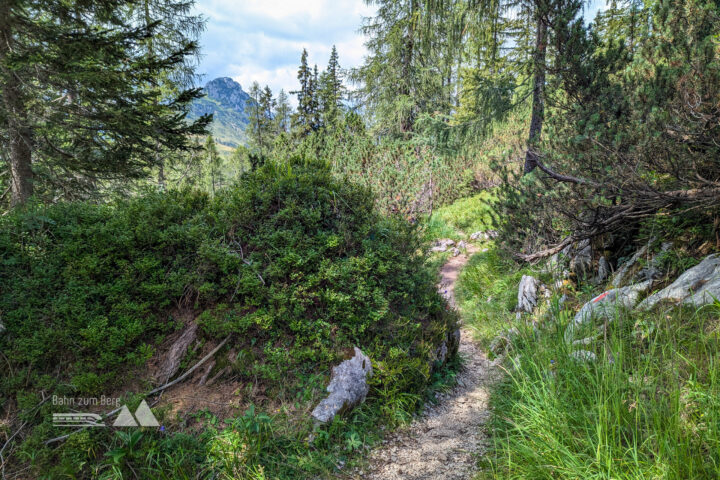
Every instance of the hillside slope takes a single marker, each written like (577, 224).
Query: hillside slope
(226, 101)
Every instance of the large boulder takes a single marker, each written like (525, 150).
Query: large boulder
(527, 294)
(348, 387)
(698, 286)
(605, 306)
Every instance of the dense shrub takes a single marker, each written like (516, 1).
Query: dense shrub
(289, 261)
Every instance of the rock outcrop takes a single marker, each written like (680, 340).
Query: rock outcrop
(348, 387)
(622, 272)
(606, 305)
(603, 271)
(698, 286)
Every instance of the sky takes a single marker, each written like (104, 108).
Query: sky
(262, 40)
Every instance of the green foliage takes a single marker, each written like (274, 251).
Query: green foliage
(647, 408)
(84, 100)
(294, 265)
(650, 413)
(468, 215)
(621, 134)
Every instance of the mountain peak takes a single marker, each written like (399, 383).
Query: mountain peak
(226, 101)
(228, 92)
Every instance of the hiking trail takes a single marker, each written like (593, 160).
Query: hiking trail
(446, 441)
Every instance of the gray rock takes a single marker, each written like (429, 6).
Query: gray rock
(651, 271)
(348, 387)
(603, 270)
(461, 244)
(622, 273)
(442, 245)
(454, 342)
(562, 300)
(527, 294)
(581, 262)
(698, 286)
(441, 352)
(584, 341)
(455, 252)
(583, 356)
(606, 305)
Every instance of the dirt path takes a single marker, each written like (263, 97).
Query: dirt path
(446, 441)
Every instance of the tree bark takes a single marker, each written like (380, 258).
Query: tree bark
(538, 103)
(19, 133)
(406, 87)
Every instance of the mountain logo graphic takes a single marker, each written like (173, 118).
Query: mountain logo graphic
(143, 414)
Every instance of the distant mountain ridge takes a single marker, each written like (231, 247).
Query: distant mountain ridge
(226, 100)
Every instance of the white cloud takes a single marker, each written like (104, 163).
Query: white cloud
(262, 40)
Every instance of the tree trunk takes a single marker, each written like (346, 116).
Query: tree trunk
(19, 133)
(406, 87)
(538, 103)
(161, 173)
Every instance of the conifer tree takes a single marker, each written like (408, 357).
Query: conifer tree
(281, 115)
(260, 106)
(331, 91)
(302, 120)
(176, 25)
(81, 97)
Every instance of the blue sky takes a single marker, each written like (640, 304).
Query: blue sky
(261, 40)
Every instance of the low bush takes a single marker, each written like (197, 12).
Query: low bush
(295, 265)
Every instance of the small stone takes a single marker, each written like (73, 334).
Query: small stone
(583, 355)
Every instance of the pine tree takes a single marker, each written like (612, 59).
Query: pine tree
(282, 112)
(177, 26)
(313, 95)
(412, 63)
(260, 106)
(81, 100)
(302, 121)
(331, 91)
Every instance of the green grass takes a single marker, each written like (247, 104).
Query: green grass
(651, 412)
(654, 412)
(648, 408)
(466, 216)
(487, 293)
